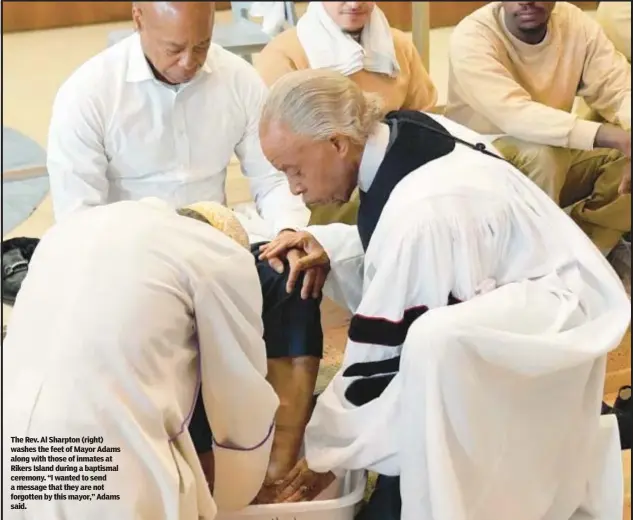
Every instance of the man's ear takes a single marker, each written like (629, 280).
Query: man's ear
(137, 15)
(341, 144)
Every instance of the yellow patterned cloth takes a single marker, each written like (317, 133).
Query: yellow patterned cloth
(223, 219)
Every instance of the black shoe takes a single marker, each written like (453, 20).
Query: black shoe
(625, 427)
(625, 424)
(623, 401)
(16, 255)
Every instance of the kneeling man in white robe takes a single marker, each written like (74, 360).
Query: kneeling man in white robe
(476, 357)
(129, 311)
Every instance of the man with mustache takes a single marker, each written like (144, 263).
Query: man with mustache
(355, 39)
(515, 71)
(161, 114)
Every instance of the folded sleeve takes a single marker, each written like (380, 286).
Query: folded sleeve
(345, 251)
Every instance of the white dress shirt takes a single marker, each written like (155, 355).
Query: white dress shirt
(118, 133)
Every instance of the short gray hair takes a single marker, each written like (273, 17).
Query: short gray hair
(320, 103)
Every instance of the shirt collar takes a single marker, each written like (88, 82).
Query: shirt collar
(138, 69)
(373, 155)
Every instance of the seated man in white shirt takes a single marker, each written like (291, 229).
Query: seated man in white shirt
(160, 114)
(135, 308)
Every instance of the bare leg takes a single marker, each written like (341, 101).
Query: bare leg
(294, 380)
(208, 467)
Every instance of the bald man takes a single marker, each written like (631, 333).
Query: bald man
(160, 114)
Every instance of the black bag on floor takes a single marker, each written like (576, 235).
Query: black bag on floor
(16, 255)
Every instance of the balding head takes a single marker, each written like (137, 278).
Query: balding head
(175, 36)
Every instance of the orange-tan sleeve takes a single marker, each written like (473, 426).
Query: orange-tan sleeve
(421, 92)
(615, 19)
(275, 60)
(483, 81)
(606, 76)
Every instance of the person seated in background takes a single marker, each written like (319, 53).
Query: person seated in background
(355, 39)
(480, 301)
(615, 19)
(128, 311)
(161, 114)
(515, 69)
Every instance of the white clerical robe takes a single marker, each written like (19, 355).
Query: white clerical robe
(490, 408)
(129, 309)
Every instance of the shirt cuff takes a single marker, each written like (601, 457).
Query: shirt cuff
(583, 134)
(340, 241)
(294, 221)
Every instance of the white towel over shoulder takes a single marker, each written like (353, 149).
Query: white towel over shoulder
(328, 47)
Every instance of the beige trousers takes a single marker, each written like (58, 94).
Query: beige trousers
(584, 183)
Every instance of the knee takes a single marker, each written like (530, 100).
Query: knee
(430, 336)
(612, 157)
(545, 165)
(531, 158)
(277, 299)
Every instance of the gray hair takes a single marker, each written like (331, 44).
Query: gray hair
(320, 103)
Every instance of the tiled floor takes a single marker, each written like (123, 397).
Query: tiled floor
(34, 66)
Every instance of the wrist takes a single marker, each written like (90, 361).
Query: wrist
(611, 136)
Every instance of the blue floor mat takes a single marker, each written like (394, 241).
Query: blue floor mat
(20, 197)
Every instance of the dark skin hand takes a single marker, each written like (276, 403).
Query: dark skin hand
(304, 254)
(611, 136)
(301, 485)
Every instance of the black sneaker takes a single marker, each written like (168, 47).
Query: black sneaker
(623, 401)
(625, 424)
(16, 255)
